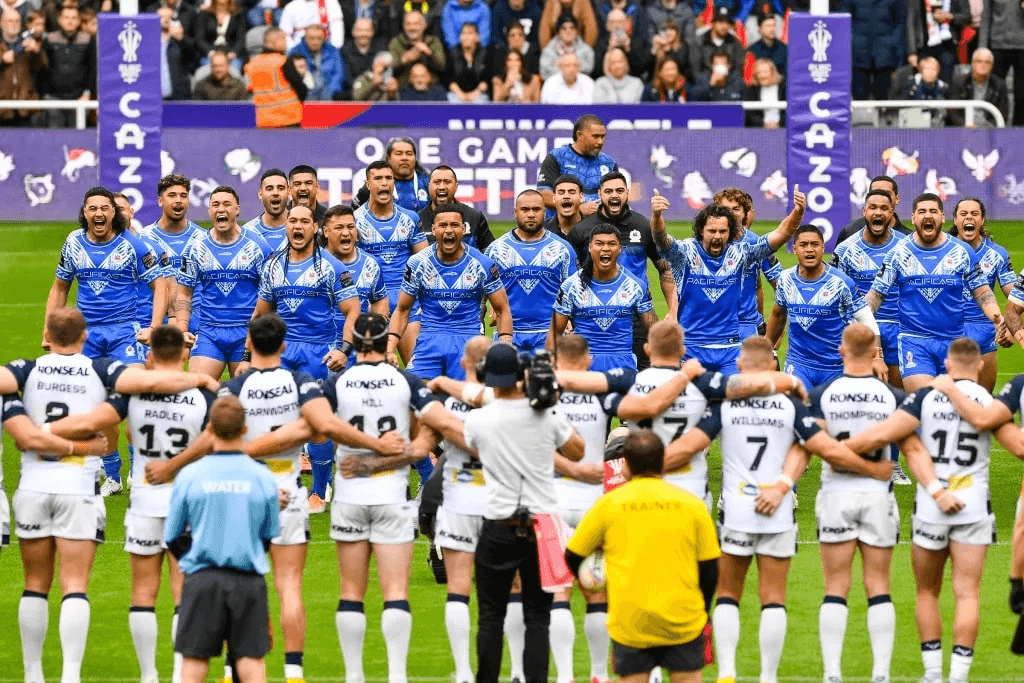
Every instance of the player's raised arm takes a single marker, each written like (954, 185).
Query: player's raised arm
(659, 229)
(983, 418)
(787, 228)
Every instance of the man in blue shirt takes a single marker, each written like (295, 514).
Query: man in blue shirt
(583, 159)
(222, 515)
(411, 180)
(273, 194)
(340, 237)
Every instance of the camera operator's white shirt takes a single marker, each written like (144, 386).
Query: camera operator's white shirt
(516, 445)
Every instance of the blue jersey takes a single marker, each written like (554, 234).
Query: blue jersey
(306, 295)
(772, 269)
(229, 273)
(176, 242)
(602, 311)
(145, 292)
(412, 194)
(450, 294)
(368, 278)
(819, 310)
(108, 275)
(994, 262)
(567, 161)
(861, 261)
(390, 242)
(931, 283)
(710, 288)
(275, 237)
(532, 273)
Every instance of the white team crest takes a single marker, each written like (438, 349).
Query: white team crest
(1012, 190)
(39, 188)
(695, 190)
(449, 306)
(226, 287)
(97, 286)
(930, 293)
(243, 163)
(945, 186)
(804, 321)
(528, 285)
(292, 303)
(661, 165)
(75, 160)
(742, 160)
(859, 185)
(604, 169)
(604, 323)
(774, 186)
(897, 162)
(980, 165)
(820, 38)
(130, 39)
(715, 294)
(910, 360)
(6, 166)
(634, 236)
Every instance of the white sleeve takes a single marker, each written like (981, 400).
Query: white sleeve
(866, 317)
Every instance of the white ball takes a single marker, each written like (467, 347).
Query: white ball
(593, 572)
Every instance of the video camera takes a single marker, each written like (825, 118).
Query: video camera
(541, 383)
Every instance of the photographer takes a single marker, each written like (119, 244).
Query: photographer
(515, 442)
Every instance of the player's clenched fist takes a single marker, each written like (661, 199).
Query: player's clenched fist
(659, 204)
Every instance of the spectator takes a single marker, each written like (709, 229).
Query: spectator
(469, 69)
(385, 16)
(379, 83)
(769, 46)
(515, 35)
(768, 86)
(323, 61)
(459, 12)
(762, 10)
(21, 60)
(359, 53)
(619, 34)
(90, 25)
(933, 30)
(980, 84)
(414, 46)
(926, 85)
(976, 8)
(20, 6)
(636, 20)
(679, 13)
(183, 28)
(71, 66)
(586, 20)
(515, 83)
(421, 88)
(526, 12)
(220, 85)
(720, 84)
(720, 37)
(616, 86)
(669, 43)
(667, 85)
(221, 26)
(1002, 31)
(879, 44)
(298, 14)
(174, 84)
(568, 40)
(740, 9)
(262, 13)
(568, 85)
(277, 87)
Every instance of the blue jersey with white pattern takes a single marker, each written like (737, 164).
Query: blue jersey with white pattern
(412, 194)
(229, 273)
(108, 275)
(994, 262)
(772, 269)
(275, 237)
(369, 279)
(819, 310)
(306, 295)
(532, 273)
(931, 283)
(862, 261)
(710, 288)
(449, 294)
(602, 311)
(565, 160)
(145, 292)
(176, 242)
(389, 242)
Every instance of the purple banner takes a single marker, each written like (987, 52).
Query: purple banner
(130, 109)
(818, 118)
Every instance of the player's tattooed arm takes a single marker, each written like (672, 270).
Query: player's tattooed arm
(57, 298)
(181, 307)
(668, 288)
(362, 466)
(776, 325)
(764, 384)
(874, 300)
(322, 419)
(635, 407)
(649, 318)
(987, 302)
(787, 228)
(1012, 319)
(659, 205)
(558, 325)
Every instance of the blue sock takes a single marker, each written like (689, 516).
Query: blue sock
(131, 458)
(112, 466)
(321, 457)
(425, 467)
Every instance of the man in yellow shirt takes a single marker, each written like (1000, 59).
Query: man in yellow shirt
(662, 553)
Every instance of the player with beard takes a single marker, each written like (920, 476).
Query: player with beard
(886, 184)
(411, 180)
(568, 196)
(930, 271)
(303, 188)
(709, 269)
(994, 262)
(443, 186)
(532, 264)
(224, 265)
(273, 194)
(340, 236)
(582, 158)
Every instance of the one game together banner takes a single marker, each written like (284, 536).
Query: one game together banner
(130, 109)
(818, 117)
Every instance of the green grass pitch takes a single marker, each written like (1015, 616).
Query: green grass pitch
(27, 259)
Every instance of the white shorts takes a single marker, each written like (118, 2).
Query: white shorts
(572, 518)
(143, 535)
(294, 520)
(64, 515)
(457, 531)
(743, 544)
(937, 536)
(388, 524)
(5, 520)
(871, 517)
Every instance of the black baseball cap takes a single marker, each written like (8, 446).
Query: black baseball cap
(501, 366)
(722, 13)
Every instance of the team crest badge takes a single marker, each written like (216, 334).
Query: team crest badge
(39, 188)
(634, 236)
(910, 360)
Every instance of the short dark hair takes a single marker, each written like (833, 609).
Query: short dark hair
(613, 175)
(886, 179)
(980, 204)
(166, 343)
(928, 197)
(65, 325)
(644, 453)
(300, 169)
(808, 227)
(227, 418)
(527, 191)
(965, 349)
(272, 173)
(878, 193)
(370, 333)
(587, 119)
(715, 211)
(448, 207)
(336, 211)
(379, 164)
(267, 333)
(721, 52)
(116, 222)
(570, 179)
(444, 167)
(603, 229)
(226, 188)
(173, 180)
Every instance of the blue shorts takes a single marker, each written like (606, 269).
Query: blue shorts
(922, 355)
(530, 342)
(715, 359)
(888, 332)
(983, 333)
(226, 344)
(747, 330)
(437, 354)
(811, 377)
(602, 362)
(115, 341)
(306, 357)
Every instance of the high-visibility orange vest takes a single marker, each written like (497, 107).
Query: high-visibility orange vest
(277, 105)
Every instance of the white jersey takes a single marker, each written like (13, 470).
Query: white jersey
(376, 398)
(590, 414)
(464, 489)
(162, 425)
(960, 454)
(756, 435)
(272, 398)
(849, 405)
(52, 387)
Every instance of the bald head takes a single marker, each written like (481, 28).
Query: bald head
(858, 342)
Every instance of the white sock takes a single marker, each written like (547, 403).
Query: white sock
(350, 621)
(142, 624)
(74, 630)
(831, 632)
(725, 621)
(33, 619)
(396, 624)
(515, 633)
(931, 659)
(595, 625)
(456, 621)
(227, 672)
(882, 632)
(960, 663)
(771, 636)
(563, 637)
(655, 676)
(293, 671)
(178, 658)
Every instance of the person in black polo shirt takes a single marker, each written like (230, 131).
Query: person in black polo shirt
(441, 188)
(879, 182)
(568, 191)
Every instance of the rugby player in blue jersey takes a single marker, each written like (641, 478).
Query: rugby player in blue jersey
(273, 194)
(304, 190)
(340, 237)
(411, 179)
(582, 158)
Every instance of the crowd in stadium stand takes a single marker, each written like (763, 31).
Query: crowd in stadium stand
(550, 51)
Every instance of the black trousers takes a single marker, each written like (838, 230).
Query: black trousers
(499, 553)
(1004, 60)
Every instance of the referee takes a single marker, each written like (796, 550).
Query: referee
(515, 445)
(225, 594)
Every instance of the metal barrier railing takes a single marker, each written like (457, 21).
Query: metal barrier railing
(969, 105)
(80, 107)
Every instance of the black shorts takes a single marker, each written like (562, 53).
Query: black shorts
(220, 605)
(685, 657)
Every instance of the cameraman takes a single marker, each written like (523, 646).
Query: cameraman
(515, 444)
